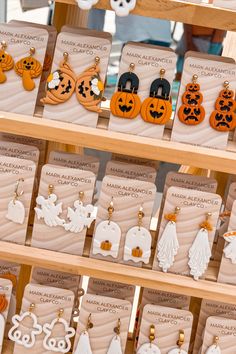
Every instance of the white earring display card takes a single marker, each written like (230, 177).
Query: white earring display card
(25, 152)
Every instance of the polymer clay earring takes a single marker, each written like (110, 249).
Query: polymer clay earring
(200, 252)
(15, 334)
(90, 88)
(192, 112)
(168, 245)
(16, 209)
(58, 344)
(180, 343)
(150, 347)
(223, 118)
(60, 84)
(86, 4)
(230, 248)
(138, 242)
(49, 211)
(28, 68)
(122, 7)
(84, 346)
(80, 218)
(6, 62)
(3, 307)
(157, 108)
(214, 348)
(125, 103)
(115, 346)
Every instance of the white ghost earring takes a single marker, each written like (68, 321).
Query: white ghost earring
(15, 334)
(115, 346)
(81, 217)
(86, 4)
(84, 346)
(107, 236)
(59, 344)
(168, 245)
(150, 347)
(180, 343)
(16, 209)
(138, 242)
(214, 348)
(230, 248)
(48, 210)
(123, 7)
(200, 252)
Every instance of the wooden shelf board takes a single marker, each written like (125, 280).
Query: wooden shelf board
(195, 14)
(121, 273)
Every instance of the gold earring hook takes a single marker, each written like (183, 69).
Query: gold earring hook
(117, 328)
(81, 196)
(50, 189)
(194, 78)
(60, 314)
(32, 51)
(110, 211)
(216, 340)
(180, 341)
(16, 193)
(31, 308)
(131, 67)
(162, 73)
(152, 333)
(226, 85)
(140, 217)
(4, 45)
(89, 323)
(65, 56)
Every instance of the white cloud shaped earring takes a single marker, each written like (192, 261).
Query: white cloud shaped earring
(214, 348)
(150, 347)
(86, 4)
(84, 346)
(16, 209)
(180, 343)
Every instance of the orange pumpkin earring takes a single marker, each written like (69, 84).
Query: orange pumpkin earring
(157, 108)
(3, 303)
(90, 88)
(223, 118)
(126, 103)
(60, 84)
(28, 68)
(192, 112)
(6, 62)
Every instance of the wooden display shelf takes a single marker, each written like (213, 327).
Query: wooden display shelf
(126, 144)
(179, 11)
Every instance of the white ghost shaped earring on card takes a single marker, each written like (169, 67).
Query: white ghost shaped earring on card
(180, 343)
(115, 346)
(59, 344)
(16, 209)
(84, 346)
(81, 217)
(138, 242)
(214, 348)
(150, 347)
(230, 248)
(168, 245)
(122, 7)
(86, 4)
(107, 236)
(15, 334)
(200, 252)
(49, 211)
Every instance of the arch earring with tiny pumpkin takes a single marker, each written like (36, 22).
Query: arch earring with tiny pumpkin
(6, 62)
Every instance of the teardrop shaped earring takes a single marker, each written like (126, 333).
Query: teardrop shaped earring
(16, 209)
(168, 245)
(115, 346)
(150, 347)
(214, 348)
(180, 343)
(6, 62)
(84, 346)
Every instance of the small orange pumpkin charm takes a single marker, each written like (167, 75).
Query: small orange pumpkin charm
(137, 252)
(106, 245)
(125, 103)
(28, 68)
(6, 62)
(157, 108)
(3, 303)
(223, 118)
(90, 88)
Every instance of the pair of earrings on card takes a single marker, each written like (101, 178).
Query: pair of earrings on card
(138, 239)
(59, 344)
(121, 7)
(49, 210)
(84, 345)
(199, 253)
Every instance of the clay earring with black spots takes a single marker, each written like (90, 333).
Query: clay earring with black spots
(6, 62)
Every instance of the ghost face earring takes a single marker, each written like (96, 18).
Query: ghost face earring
(48, 210)
(16, 209)
(28, 68)
(60, 84)
(86, 4)
(115, 346)
(138, 242)
(54, 344)
(107, 236)
(84, 346)
(200, 252)
(150, 348)
(6, 62)
(90, 88)
(214, 348)
(180, 343)
(122, 7)
(16, 335)
(81, 217)
(125, 103)
(168, 245)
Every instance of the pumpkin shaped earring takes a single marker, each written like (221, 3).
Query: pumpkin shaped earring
(60, 84)
(157, 108)
(192, 112)
(90, 88)
(223, 118)
(28, 68)
(6, 62)
(126, 103)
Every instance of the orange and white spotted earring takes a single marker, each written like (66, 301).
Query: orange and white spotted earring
(6, 62)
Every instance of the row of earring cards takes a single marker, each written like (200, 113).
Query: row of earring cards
(141, 105)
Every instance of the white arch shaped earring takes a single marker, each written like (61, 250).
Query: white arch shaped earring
(84, 346)
(16, 209)
(214, 348)
(115, 346)
(150, 347)
(180, 343)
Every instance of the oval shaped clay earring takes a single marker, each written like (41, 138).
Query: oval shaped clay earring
(28, 68)
(6, 62)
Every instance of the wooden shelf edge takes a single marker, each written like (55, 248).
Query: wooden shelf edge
(112, 271)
